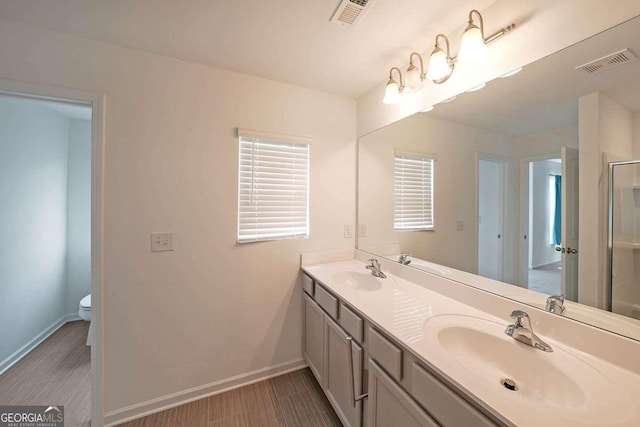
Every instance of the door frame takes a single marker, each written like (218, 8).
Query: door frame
(97, 102)
(504, 161)
(523, 220)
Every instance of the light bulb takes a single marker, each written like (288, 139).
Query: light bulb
(391, 92)
(426, 110)
(472, 46)
(438, 65)
(414, 82)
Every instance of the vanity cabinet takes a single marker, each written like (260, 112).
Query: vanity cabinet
(314, 337)
(339, 376)
(333, 355)
(390, 405)
(342, 348)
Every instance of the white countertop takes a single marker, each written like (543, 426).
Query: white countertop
(401, 308)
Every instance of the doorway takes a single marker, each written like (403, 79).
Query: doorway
(491, 205)
(549, 224)
(544, 269)
(51, 215)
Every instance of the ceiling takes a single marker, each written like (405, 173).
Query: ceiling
(544, 95)
(289, 41)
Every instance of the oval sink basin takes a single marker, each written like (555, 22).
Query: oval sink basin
(553, 386)
(362, 281)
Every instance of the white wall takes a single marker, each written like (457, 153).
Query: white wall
(542, 252)
(636, 134)
(455, 146)
(33, 208)
(212, 309)
(78, 213)
(542, 28)
(605, 127)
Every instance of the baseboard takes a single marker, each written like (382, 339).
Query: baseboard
(544, 264)
(36, 341)
(142, 409)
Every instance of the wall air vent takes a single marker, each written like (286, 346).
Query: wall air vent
(349, 12)
(608, 62)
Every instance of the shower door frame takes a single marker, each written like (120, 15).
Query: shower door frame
(609, 293)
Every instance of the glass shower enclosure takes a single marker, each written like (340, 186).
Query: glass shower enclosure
(624, 238)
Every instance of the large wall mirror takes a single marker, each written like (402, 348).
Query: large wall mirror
(506, 187)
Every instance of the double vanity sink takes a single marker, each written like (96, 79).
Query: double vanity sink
(466, 353)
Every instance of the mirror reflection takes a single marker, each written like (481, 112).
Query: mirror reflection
(511, 182)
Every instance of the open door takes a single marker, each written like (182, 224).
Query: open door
(569, 223)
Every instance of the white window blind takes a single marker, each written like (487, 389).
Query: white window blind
(273, 190)
(413, 191)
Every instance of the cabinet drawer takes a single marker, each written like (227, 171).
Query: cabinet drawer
(386, 354)
(327, 301)
(307, 284)
(351, 322)
(445, 405)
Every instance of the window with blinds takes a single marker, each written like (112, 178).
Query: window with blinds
(413, 192)
(273, 190)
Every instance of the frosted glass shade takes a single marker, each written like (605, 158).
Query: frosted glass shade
(391, 93)
(414, 83)
(438, 65)
(472, 46)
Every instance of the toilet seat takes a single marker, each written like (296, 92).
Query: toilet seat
(85, 303)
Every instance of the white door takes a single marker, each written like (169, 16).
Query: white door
(490, 218)
(570, 223)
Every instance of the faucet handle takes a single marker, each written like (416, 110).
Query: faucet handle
(557, 298)
(517, 314)
(521, 318)
(555, 304)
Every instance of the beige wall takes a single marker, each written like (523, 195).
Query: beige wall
(605, 135)
(211, 309)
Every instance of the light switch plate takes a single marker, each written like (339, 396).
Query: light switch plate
(362, 230)
(348, 231)
(459, 225)
(161, 242)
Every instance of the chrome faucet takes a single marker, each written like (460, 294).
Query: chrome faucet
(555, 304)
(522, 330)
(404, 259)
(374, 266)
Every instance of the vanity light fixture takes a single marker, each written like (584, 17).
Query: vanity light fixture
(474, 43)
(415, 76)
(476, 88)
(441, 64)
(511, 73)
(393, 89)
(426, 110)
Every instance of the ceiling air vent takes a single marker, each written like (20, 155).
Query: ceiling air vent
(350, 11)
(608, 62)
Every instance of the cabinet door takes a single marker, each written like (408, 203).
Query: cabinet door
(314, 338)
(338, 385)
(390, 406)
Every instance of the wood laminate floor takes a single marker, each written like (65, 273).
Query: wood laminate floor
(290, 400)
(57, 372)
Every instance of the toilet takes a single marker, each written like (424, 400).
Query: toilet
(84, 311)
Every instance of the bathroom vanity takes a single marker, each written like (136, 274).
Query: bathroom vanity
(416, 349)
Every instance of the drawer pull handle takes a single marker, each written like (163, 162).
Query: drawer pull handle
(354, 398)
